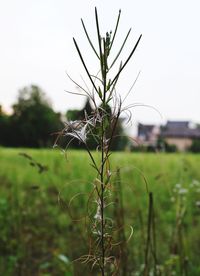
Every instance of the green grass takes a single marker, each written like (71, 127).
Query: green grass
(37, 236)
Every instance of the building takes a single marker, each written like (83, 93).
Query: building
(148, 135)
(178, 133)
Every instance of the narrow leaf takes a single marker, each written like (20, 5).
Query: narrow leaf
(77, 48)
(120, 49)
(132, 52)
(89, 38)
(99, 39)
(118, 18)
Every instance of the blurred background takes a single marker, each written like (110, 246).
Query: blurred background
(37, 48)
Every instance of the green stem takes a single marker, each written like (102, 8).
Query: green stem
(103, 133)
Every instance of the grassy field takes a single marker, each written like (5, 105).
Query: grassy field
(37, 236)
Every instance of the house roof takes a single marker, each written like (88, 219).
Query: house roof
(180, 129)
(177, 124)
(145, 129)
(181, 133)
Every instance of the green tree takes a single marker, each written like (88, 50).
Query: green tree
(195, 147)
(4, 128)
(79, 114)
(33, 119)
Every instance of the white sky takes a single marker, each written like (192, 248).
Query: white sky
(36, 47)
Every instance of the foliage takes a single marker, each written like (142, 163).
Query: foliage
(195, 147)
(4, 128)
(75, 114)
(170, 148)
(32, 122)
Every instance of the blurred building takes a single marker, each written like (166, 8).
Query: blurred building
(178, 133)
(148, 134)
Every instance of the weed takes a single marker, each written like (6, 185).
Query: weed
(101, 126)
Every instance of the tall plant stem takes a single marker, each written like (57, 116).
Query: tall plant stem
(102, 166)
(102, 199)
(151, 238)
(148, 242)
(104, 124)
(102, 210)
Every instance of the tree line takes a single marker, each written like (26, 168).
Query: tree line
(34, 123)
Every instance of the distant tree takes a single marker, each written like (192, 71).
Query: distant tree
(72, 114)
(33, 119)
(170, 148)
(195, 147)
(4, 128)
(79, 114)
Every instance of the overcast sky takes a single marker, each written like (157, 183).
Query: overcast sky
(36, 47)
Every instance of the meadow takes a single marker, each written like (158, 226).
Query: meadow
(42, 230)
